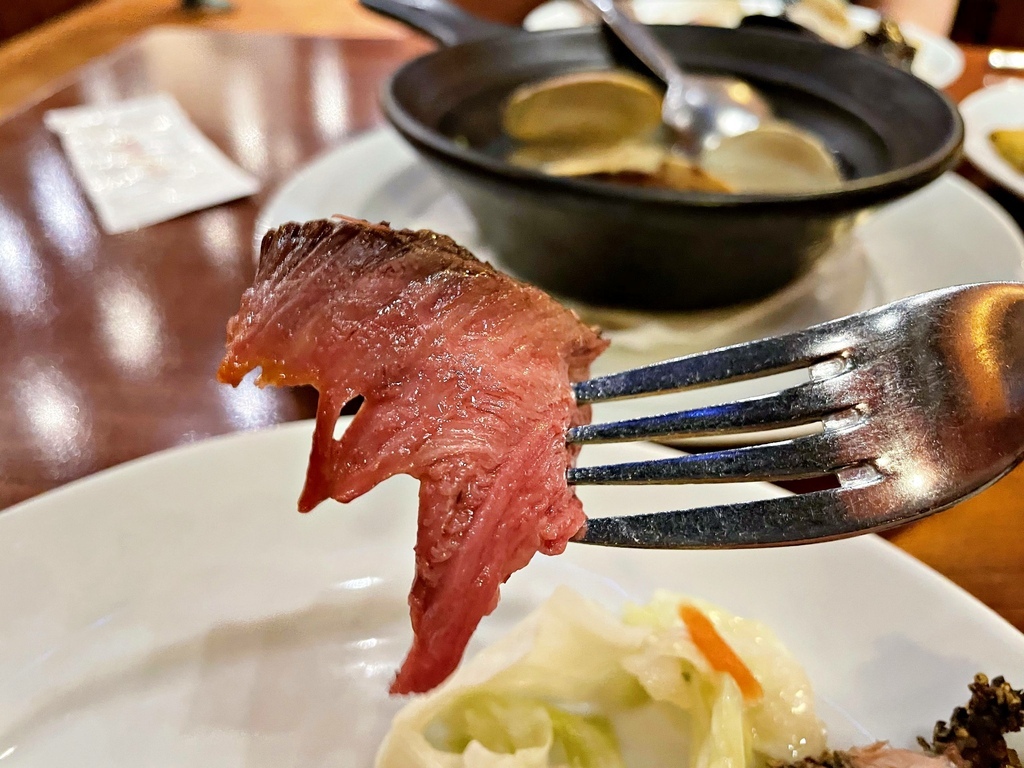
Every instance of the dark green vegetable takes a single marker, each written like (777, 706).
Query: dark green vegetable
(973, 737)
(975, 733)
(827, 759)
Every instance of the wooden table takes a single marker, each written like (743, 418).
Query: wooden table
(109, 343)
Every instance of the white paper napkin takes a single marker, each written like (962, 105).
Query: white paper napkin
(142, 161)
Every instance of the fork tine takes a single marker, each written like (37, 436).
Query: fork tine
(802, 457)
(797, 405)
(719, 366)
(817, 516)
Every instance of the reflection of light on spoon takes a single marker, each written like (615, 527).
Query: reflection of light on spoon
(8, 752)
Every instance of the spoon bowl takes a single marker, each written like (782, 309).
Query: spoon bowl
(701, 110)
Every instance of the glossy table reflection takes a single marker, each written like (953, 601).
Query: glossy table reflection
(109, 343)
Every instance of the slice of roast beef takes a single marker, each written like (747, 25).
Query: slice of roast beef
(465, 374)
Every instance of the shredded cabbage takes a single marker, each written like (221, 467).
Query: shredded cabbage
(573, 686)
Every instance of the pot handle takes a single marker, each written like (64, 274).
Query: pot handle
(441, 20)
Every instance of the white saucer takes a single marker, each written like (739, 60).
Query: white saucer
(177, 611)
(938, 62)
(946, 234)
(998, 106)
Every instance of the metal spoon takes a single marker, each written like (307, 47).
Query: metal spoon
(700, 109)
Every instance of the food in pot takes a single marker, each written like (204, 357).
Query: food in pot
(829, 19)
(606, 126)
(776, 158)
(597, 107)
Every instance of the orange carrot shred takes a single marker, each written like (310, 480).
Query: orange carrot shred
(719, 654)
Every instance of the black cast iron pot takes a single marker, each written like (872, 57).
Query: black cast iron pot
(643, 248)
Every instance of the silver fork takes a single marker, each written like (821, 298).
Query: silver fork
(919, 403)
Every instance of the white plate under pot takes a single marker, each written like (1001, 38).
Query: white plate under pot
(946, 234)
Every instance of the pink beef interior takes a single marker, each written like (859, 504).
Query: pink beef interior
(466, 378)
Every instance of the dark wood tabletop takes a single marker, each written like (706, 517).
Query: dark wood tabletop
(109, 342)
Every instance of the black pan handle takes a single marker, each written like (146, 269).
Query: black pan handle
(443, 21)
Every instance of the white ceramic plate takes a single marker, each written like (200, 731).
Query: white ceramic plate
(998, 106)
(938, 62)
(177, 611)
(946, 234)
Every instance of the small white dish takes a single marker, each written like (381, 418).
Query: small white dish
(984, 111)
(938, 62)
(177, 611)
